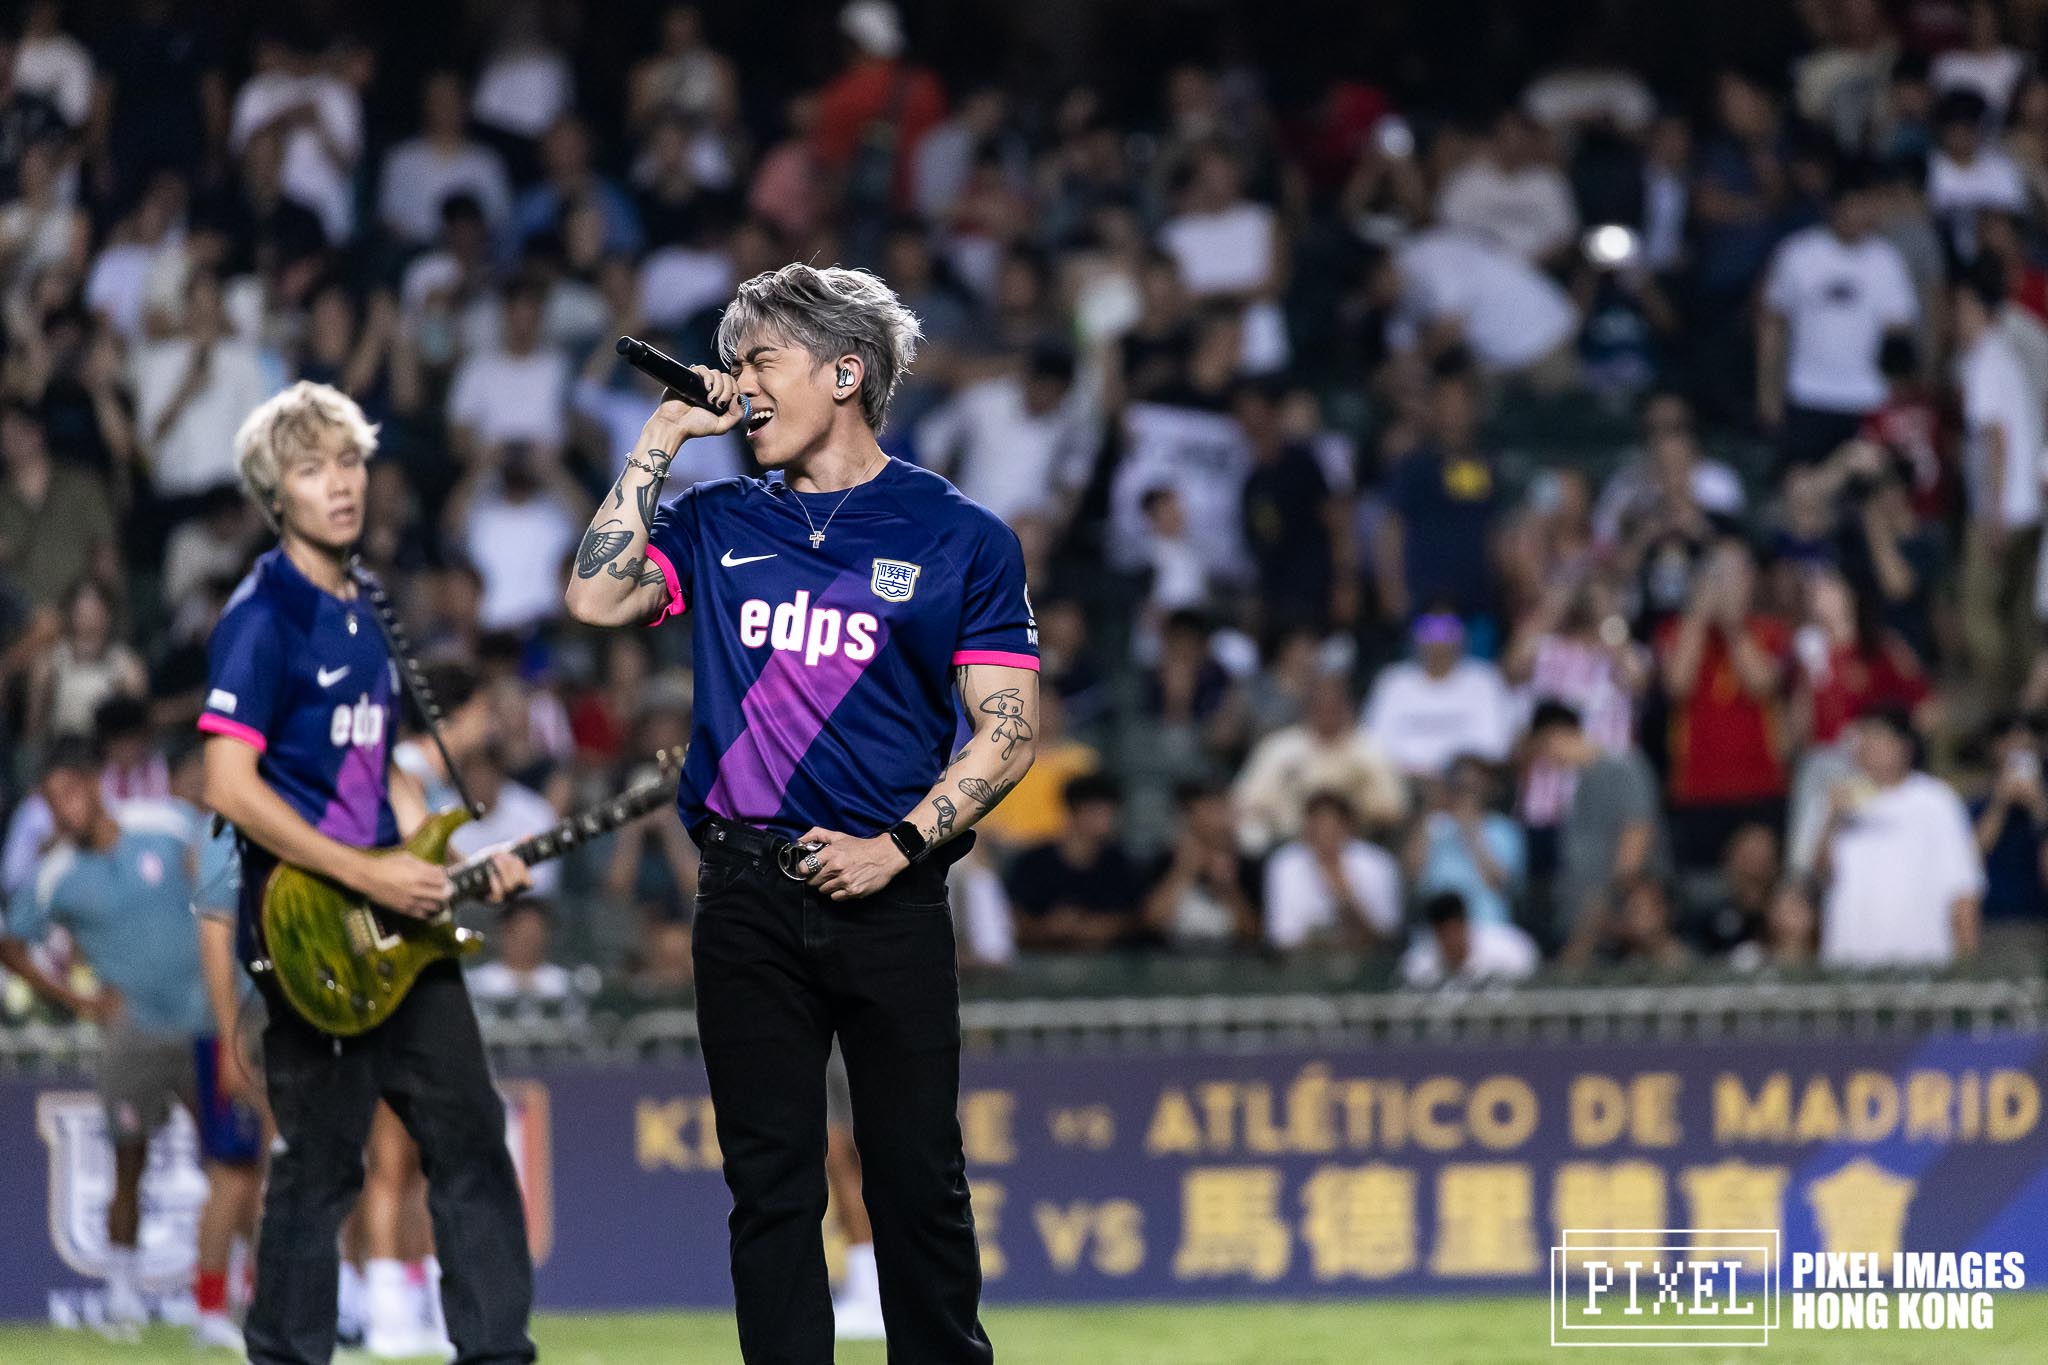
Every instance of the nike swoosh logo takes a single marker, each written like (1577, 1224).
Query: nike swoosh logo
(328, 677)
(729, 562)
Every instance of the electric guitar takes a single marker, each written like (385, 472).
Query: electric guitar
(345, 964)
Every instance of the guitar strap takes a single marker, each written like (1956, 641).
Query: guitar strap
(411, 674)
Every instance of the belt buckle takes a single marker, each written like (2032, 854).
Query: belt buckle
(788, 854)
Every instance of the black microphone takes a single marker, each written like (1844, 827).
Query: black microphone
(658, 365)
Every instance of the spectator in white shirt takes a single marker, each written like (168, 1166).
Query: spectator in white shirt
(122, 269)
(1426, 711)
(1834, 293)
(51, 63)
(521, 978)
(1968, 172)
(1985, 63)
(1179, 578)
(1232, 249)
(526, 83)
(420, 173)
(1446, 288)
(945, 156)
(1904, 878)
(1325, 752)
(192, 393)
(321, 118)
(515, 516)
(1330, 888)
(1513, 193)
(517, 392)
(1020, 444)
(1455, 951)
(2002, 431)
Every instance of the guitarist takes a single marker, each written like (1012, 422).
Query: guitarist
(300, 713)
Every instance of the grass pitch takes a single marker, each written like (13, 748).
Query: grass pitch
(1461, 1332)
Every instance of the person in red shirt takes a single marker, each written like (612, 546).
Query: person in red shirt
(874, 113)
(1908, 424)
(1724, 669)
(1849, 664)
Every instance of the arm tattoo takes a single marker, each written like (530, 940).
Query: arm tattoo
(647, 498)
(983, 793)
(638, 571)
(948, 813)
(954, 761)
(1012, 729)
(601, 545)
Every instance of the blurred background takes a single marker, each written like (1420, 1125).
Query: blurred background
(1533, 510)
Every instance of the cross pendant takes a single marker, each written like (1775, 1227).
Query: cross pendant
(817, 539)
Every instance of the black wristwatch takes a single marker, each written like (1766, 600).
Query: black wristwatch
(909, 840)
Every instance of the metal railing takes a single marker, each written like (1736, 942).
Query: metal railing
(1697, 1011)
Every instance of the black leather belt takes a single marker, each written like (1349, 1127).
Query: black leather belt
(749, 842)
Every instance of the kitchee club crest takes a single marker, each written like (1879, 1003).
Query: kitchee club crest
(895, 580)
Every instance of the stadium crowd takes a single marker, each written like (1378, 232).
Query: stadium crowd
(1585, 527)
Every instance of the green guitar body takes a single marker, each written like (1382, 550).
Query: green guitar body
(343, 964)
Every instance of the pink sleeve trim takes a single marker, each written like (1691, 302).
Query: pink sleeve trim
(676, 605)
(996, 656)
(233, 729)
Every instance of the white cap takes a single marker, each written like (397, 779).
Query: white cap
(873, 26)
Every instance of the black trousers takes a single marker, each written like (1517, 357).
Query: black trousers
(780, 970)
(427, 1062)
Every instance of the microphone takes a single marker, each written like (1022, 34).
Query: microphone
(658, 365)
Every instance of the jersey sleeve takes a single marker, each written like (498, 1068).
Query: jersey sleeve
(31, 908)
(670, 541)
(996, 623)
(244, 675)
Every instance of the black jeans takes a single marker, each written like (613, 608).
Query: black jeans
(780, 969)
(427, 1062)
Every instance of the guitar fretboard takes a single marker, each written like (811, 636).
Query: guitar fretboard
(473, 881)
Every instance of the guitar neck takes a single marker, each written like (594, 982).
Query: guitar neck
(472, 881)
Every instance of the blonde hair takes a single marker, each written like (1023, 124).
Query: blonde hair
(287, 426)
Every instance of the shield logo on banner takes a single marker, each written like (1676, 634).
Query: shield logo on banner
(895, 580)
(73, 1127)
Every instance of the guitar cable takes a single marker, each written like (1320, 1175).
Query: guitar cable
(411, 674)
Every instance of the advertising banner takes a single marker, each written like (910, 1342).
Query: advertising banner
(1401, 1170)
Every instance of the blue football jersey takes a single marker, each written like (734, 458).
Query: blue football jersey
(824, 674)
(305, 679)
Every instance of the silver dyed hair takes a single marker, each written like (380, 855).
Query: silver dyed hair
(829, 313)
(286, 426)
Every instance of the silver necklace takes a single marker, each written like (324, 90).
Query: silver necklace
(817, 531)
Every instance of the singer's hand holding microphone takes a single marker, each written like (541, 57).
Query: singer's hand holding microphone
(695, 400)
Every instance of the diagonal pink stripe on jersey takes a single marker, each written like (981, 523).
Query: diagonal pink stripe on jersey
(787, 708)
(351, 817)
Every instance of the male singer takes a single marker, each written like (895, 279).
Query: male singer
(838, 611)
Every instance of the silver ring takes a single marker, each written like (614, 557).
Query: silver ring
(810, 863)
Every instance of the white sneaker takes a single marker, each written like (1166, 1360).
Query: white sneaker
(857, 1321)
(431, 1314)
(217, 1332)
(126, 1314)
(857, 1307)
(392, 1343)
(393, 1310)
